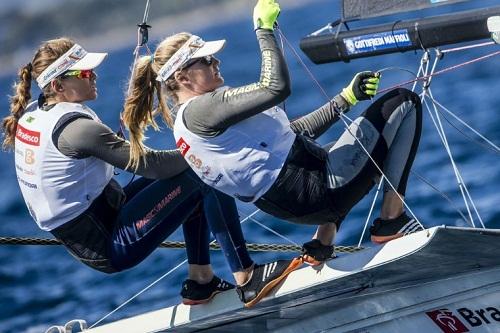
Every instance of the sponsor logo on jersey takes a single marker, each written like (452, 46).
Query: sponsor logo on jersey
(217, 179)
(205, 170)
(27, 136)
(183, 146)
(29, 156)
(195, 161)
(26, 183)
(29, 172)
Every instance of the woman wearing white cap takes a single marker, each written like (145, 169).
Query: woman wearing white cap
(65, 159)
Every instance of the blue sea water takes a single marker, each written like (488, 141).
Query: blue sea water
(43, 285)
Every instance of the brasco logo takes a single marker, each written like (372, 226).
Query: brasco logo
(27, 136)
(183, 146)
(449, 323)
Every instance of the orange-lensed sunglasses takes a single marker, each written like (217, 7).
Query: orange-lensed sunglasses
(80, 74)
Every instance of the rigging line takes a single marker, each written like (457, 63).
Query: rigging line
(420, 70)
(273, 231)
(425, 61)
(473, 204)
(371, 210)
(493, 147)
(461, 48)
(397, 68)
(426, 91)
(424, 68)
(308, 71)
(426, 181)
(161, 278)
(146, 12)
(463, 187)
(457, 171)
(483, 145)
(447, 69)
(342, 117)
(140, 292)
(142, 39)
(444, 140)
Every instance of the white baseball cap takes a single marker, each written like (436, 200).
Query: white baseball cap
(193, 48)
(76, 58)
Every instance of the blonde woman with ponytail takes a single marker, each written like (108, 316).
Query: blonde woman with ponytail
(65, 158)
(183, 69)
(240, 142)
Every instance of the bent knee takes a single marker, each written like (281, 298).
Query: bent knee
(399, 99)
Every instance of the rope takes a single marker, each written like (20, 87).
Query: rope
(426, 77)
(255, 247)
(489, 146)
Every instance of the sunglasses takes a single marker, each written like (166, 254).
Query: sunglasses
(206, 60)
(80, 74)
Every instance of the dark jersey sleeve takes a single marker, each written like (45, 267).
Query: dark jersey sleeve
(82, 137)
(314, 124)
(211, 114)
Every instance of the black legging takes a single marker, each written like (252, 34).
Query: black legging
(316, 186)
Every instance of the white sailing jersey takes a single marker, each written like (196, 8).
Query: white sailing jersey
(56, 188)
(245, 160)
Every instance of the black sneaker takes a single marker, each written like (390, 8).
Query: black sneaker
(314, 253)
(385, 230)
(264, 278)
(196, 293)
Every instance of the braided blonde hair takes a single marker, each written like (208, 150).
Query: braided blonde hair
(47, 53)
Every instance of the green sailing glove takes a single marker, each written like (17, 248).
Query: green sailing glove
(363, 86)
(265, 13)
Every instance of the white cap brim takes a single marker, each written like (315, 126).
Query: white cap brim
(89, 61)
(209, 48)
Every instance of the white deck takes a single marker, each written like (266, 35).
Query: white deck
(385, 288)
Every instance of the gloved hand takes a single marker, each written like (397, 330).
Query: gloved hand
(363, 86)
(265, 13)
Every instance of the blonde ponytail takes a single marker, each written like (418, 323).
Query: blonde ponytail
(139, 109)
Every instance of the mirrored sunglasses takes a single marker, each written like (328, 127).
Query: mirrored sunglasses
(80, 74)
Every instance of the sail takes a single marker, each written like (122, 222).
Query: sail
(359, 9)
